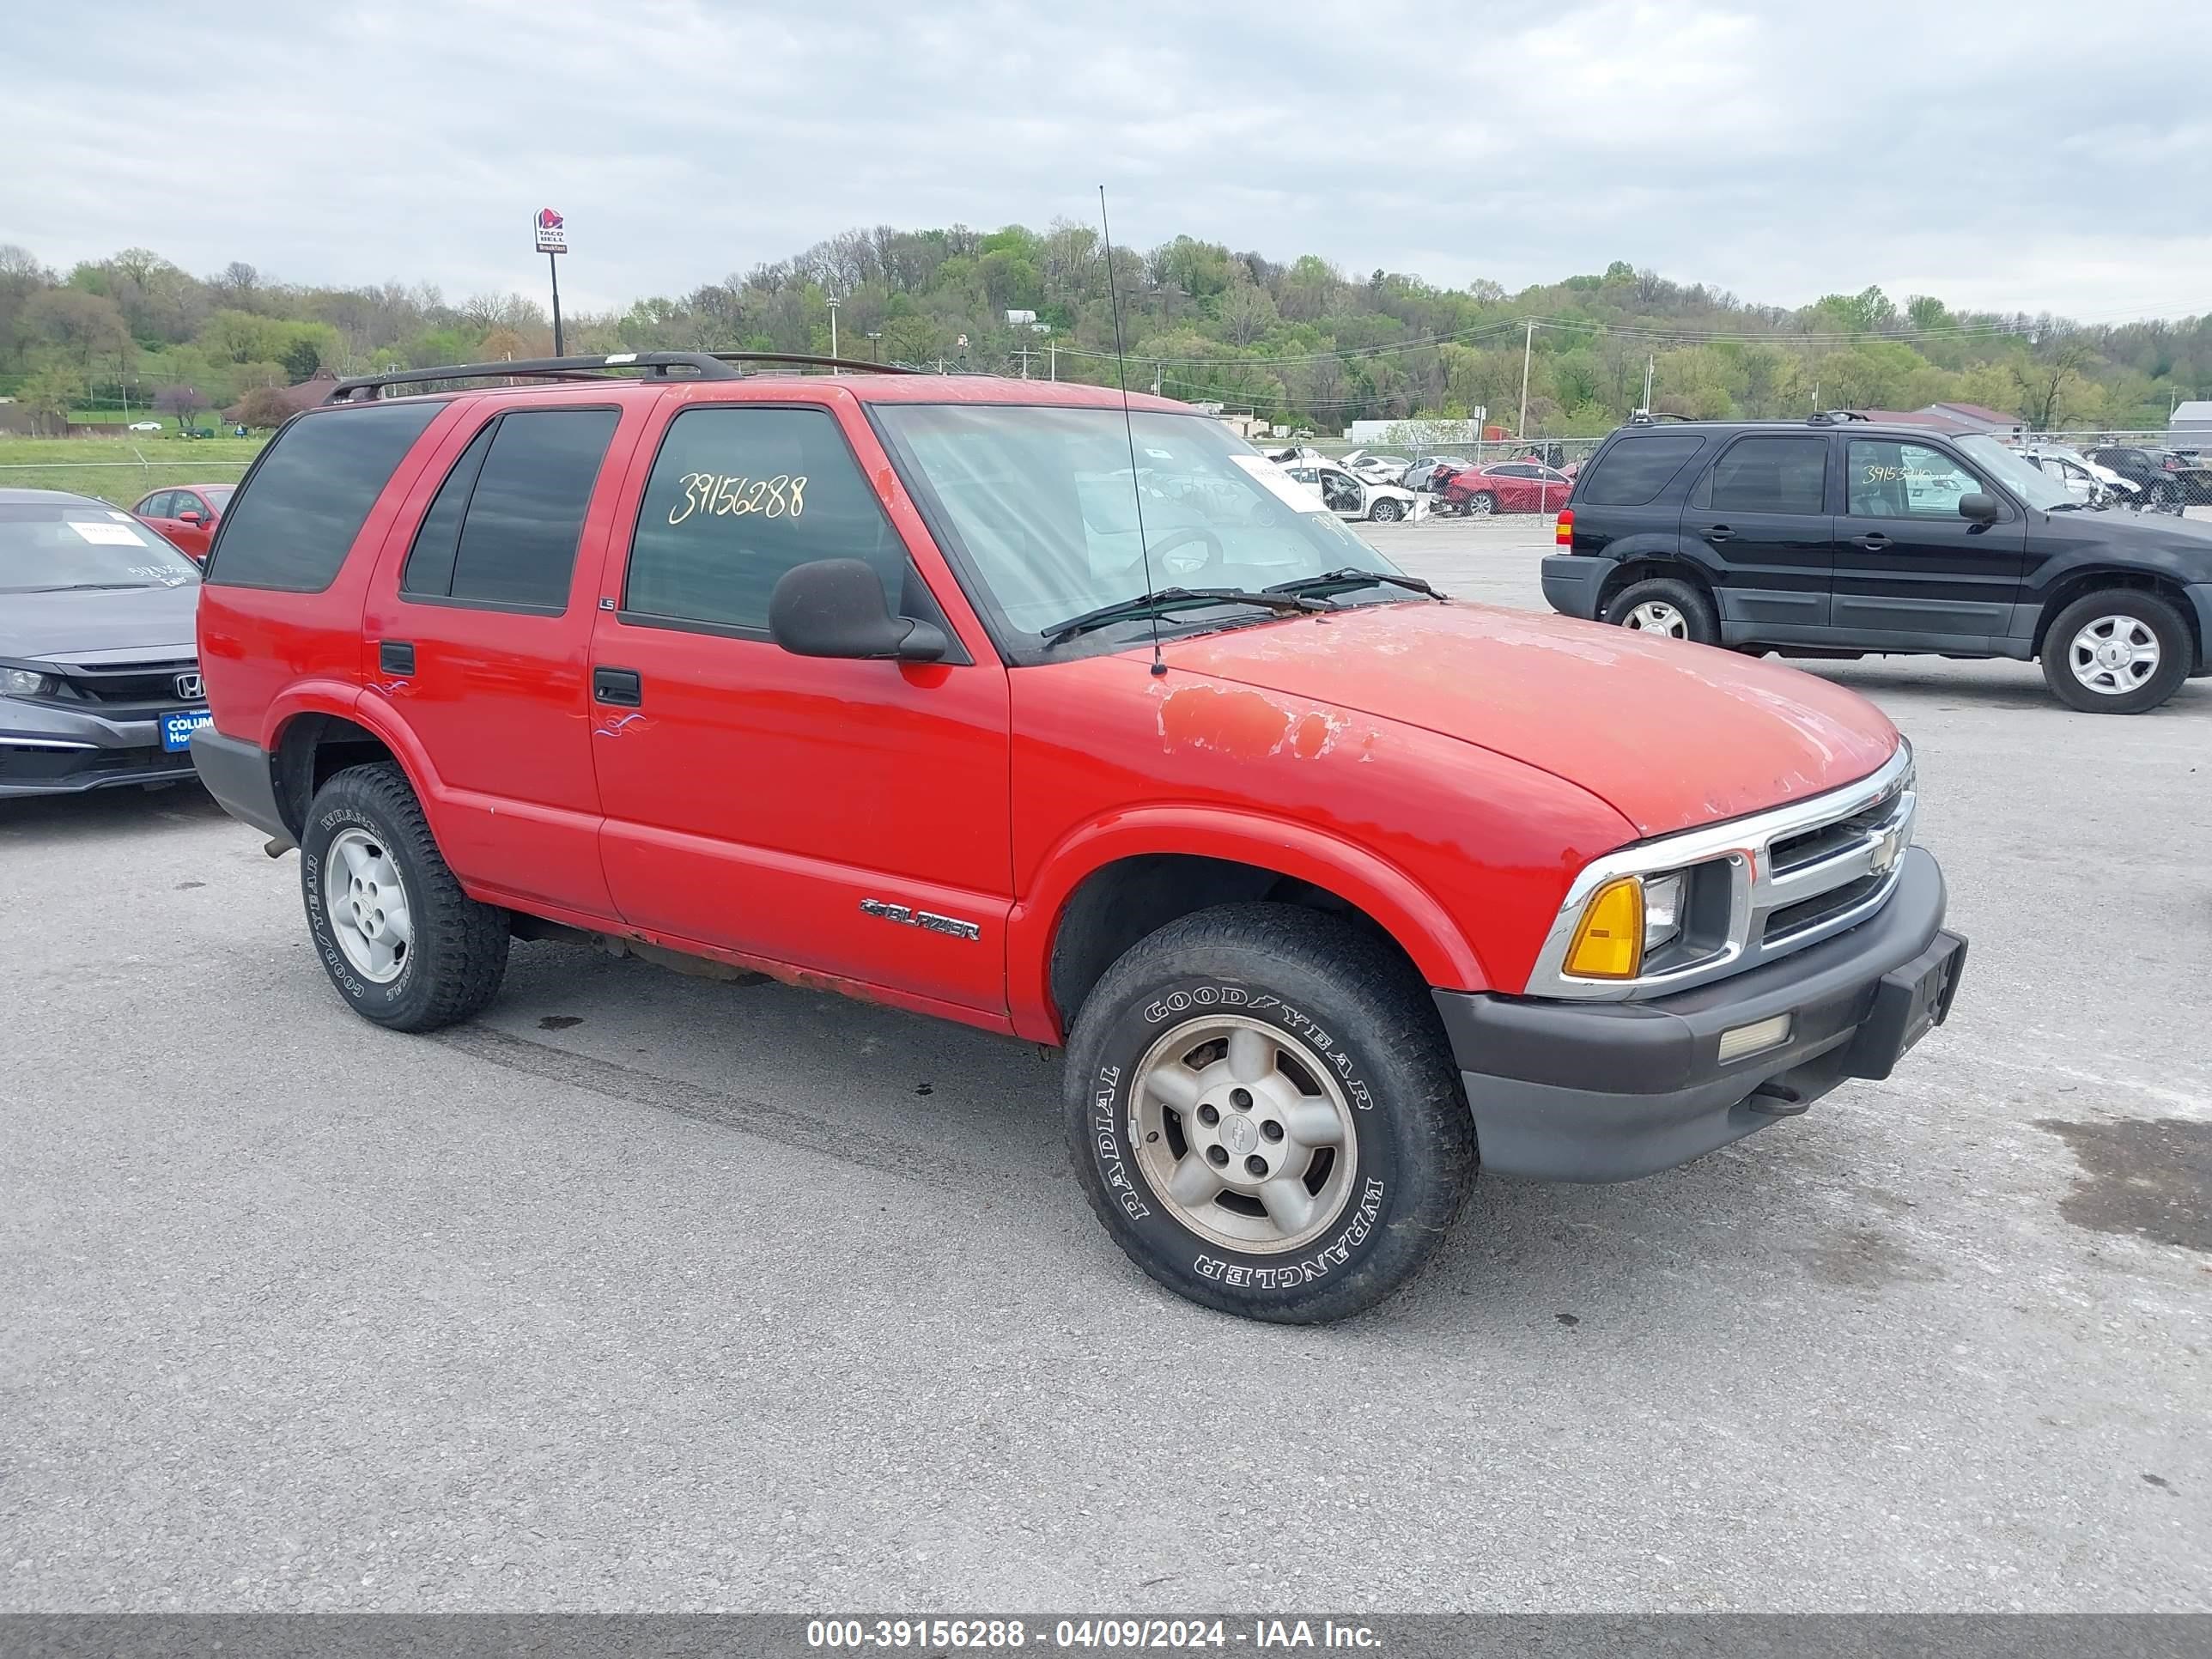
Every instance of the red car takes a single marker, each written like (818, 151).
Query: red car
(1504, 486)
(913, 688)
(185, 515)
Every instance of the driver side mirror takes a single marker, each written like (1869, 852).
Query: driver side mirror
(835, 608)
(1982, 509)
(189, 515)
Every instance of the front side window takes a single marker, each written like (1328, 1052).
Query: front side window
(1772, 475)
(504, 527)
(739, 495)
(1046, 512)
(310, 493)
(1887, 479)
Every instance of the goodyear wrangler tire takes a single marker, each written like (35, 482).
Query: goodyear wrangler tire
(403, 943)
(1265, 1114)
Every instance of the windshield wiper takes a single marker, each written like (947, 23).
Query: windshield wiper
(1348, 576)
(1180, 599)
(77, 587)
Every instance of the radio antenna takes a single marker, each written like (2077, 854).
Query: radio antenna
(1129, 428)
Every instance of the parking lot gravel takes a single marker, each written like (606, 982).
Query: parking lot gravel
(650, 1293)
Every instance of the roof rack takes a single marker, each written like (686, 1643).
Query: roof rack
(1652, 417)
(1836, 416)
(653, 365)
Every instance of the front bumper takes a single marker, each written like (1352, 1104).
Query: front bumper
(1571, 582)
(46, 751)
(1612, 1091)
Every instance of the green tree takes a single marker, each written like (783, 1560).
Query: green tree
(49, 395)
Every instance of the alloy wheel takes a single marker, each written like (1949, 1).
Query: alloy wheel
(1243, 1134)
(367, 904)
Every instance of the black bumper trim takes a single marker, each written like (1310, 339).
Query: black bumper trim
(240, 777)
(1611, 1091)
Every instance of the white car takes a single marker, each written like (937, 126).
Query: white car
(2081, 478)
(145, 426)
(1302, 455)
(1350, 497)
(1375, 469)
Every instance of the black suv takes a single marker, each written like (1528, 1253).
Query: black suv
(1839, 537)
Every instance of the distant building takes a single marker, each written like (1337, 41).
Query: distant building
(2191, 425)
(306, 395)
(1979, 417)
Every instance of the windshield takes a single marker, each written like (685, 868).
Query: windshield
(2023, 477)
(1043, 502)
(62, 544)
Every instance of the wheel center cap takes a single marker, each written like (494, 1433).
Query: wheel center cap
(1239, 1135)
(2113, 654)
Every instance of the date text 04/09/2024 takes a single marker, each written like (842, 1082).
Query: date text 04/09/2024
(987, 1635)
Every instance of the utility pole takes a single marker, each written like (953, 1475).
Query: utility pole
(1052, 354)
(833, 328)
(1528, 350)
(1023, 353)
(1650, 363)
(875, 352)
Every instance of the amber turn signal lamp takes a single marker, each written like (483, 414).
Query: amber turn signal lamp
(1608, 942)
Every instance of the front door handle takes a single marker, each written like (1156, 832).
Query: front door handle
(619, 688)
(1873, 542)
(1720, 533)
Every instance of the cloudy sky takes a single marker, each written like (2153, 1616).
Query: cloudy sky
(2010, 155)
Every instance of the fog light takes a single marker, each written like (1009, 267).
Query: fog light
(1609, 942)
(1750, 1039)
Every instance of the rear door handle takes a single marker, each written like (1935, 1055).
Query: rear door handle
(395, 656)
(619, 688)
(1720, 533)
(1873, 544)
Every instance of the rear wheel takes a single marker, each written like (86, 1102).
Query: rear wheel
(2118, 651)
(1667, 606)
(1265, 1114)
(403, 943)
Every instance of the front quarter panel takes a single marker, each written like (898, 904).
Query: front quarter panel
(1463, 855)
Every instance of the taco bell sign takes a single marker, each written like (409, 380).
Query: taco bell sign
(550, 230)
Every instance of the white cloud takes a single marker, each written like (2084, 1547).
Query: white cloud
(1778, 151)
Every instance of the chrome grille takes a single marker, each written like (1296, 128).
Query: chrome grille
(1794, 875)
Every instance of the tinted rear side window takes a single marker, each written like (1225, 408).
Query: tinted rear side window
(1772, 475)
(517, 498)
(1635, 470)
(310, 494)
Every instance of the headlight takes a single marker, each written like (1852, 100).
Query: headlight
(22, 683)
(1624, 920)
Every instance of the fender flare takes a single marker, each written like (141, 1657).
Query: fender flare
(1421, 927)
(373, 714)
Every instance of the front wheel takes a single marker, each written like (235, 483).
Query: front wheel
(2118, 651)
(1483, 505)
(1265, 1116)
(403, 943)
(1387, 512)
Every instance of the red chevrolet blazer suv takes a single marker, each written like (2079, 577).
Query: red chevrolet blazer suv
(1070, 718)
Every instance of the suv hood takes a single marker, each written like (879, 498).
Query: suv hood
(66, 626)
(1668, 734)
